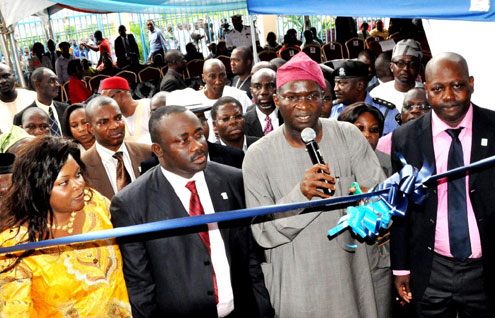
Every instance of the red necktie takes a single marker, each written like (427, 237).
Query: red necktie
(268, 127)
(195, 208)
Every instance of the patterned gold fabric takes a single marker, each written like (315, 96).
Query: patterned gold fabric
(79, 280)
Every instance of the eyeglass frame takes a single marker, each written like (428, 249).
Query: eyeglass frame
(293, 98)
(409, 64)
(234, 117)
(420, 107)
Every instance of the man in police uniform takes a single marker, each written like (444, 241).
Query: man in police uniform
(240, 34)
(351, 81)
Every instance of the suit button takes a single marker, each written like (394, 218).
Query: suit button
(207, 263)
(435, 191)
(432, 221)
(429, 248)
(210, 293)
(480, 220)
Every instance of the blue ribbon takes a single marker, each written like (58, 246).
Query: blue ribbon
(408, 184)
(392, 198)
(187, 221)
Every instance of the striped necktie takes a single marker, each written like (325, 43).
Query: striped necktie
(269, 126)
(54, 129)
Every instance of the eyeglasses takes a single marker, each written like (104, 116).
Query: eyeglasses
(294, 98)
(410, 64)
(419, 107)
(227, 119)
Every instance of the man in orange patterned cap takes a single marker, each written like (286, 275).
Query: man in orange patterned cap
(307, 273)
(136, 112)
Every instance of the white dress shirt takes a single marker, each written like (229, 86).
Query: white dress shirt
(218, 255)
(273, 117)
(110, 163)
(54, 110)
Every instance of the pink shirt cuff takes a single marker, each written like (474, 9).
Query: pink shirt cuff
(401, 273)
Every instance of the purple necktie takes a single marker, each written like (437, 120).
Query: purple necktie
(268, 127)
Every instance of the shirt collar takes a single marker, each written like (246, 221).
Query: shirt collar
(107, 154)
(43, 106)
(273, 114)
(177, 181)
(438, 125)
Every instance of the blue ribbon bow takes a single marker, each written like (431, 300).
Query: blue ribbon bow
(366, 220)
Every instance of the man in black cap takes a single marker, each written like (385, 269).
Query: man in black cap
(351, 81)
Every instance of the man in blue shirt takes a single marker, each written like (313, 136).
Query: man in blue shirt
(157, 41)
(351, 81)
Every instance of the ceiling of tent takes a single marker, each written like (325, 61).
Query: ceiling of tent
(166, 6)
(474, 10)
(16, 10)
(471, 10)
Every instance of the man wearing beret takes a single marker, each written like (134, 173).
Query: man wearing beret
(351, 81)
(136, 112)
(405, 66)
(307, 273)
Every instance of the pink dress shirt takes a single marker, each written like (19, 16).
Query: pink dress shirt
(385, 144)
(441, 146)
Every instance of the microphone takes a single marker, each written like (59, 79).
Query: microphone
(308, 136)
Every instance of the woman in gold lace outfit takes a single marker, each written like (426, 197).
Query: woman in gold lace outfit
(49, 199)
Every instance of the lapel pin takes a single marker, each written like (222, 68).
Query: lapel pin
(224, 195)
(484, 142)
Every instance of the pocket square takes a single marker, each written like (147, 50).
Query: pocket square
(224, 195)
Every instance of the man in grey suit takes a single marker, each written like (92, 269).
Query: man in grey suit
(111, 163)
(307, 273)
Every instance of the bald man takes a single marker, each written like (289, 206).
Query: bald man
(176, 65)
(158, 100)
(12, 99)
(215, 77)
(36, 122)
(442, 251)
(263, 64)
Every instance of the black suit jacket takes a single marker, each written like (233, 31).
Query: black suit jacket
(120, 49)
(169, 274)
(59, 107)
(172, 81)
(253, 125)
(251, 140)
(412, 237)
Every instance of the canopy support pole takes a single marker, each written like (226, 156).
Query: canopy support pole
(16, 59)
(253, 40)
